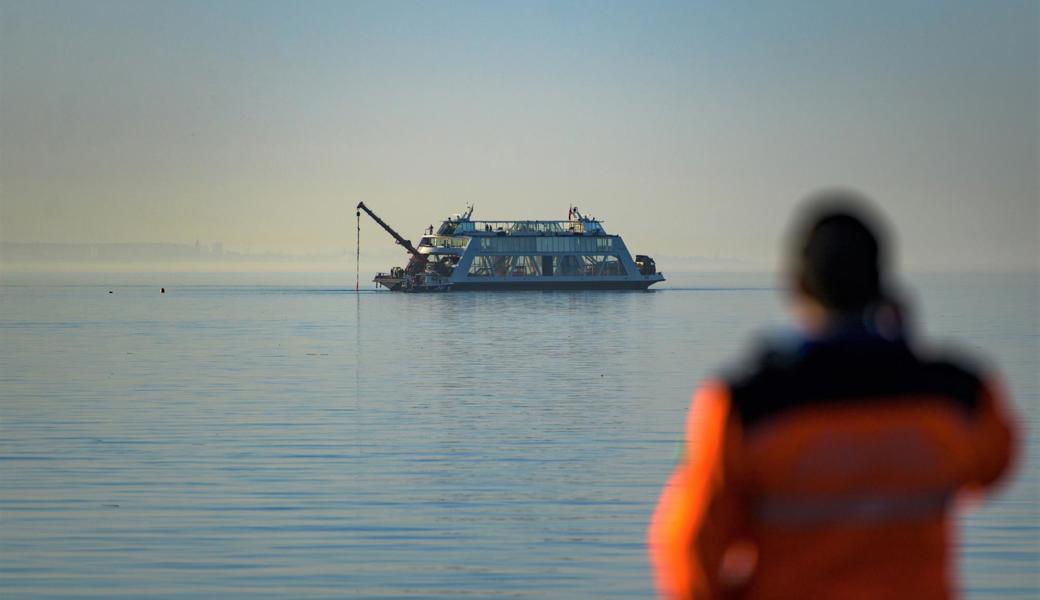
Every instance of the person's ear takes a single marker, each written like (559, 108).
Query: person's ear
(796, 285)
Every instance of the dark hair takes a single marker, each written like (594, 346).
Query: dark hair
(837, 254)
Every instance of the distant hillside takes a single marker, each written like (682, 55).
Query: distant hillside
(40, 252)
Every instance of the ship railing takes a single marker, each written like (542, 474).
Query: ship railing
(535, 227)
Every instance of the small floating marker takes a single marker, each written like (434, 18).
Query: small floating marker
(109, 291)
(162, 290)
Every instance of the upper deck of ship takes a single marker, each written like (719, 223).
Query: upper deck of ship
(466, 227)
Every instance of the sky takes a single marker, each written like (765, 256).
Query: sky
(693, 129)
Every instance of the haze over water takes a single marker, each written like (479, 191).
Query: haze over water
(304, 442)
(692, 128)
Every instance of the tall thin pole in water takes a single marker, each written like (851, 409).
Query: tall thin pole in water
(357, 257)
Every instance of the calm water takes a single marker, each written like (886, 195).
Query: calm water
(297, 442)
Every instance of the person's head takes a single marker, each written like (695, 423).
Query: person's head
(837, 257)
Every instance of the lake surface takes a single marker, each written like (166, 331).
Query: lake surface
(299, 441)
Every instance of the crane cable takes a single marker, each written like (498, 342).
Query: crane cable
(357, 258)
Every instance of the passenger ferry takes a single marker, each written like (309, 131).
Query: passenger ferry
(463, 254)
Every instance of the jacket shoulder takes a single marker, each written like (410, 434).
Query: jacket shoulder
(780, 378)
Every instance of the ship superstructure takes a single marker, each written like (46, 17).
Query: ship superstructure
(464, 254)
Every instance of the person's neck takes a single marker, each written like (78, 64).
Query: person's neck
(861, 324)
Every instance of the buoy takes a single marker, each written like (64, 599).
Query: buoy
(109, 291)
(162, 290)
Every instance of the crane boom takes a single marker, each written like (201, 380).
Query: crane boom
(400, 240)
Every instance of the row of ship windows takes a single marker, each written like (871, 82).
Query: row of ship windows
(546, 266)
(445, 241)
(547, 244)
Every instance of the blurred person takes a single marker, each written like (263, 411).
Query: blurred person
(828, 467)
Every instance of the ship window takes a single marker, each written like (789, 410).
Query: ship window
(483, 266)
(580, 244)
(505, 244)
(559, 244)
(598, 265)
(545, 244)
(526, 265)
(607, 265)
(567, 265)
(505, 266)
(443, 241)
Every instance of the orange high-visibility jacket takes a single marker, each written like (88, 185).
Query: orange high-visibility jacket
(827, 472)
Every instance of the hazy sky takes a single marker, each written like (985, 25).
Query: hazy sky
(691, 128)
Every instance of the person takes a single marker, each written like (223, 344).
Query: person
(829, 467)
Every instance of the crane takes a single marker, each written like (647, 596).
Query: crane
(418, 261)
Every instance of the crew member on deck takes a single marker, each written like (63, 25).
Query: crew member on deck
(830, 465)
